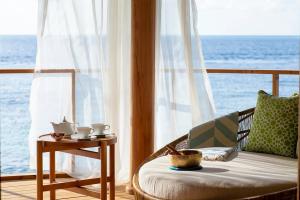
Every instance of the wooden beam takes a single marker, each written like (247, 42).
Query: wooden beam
(143, 80)
(31, 71)
(75, 183)
(221, 71)
(252, 71)
(16, 71)
(82, 152)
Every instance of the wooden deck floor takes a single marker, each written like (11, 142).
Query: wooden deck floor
(26, 190)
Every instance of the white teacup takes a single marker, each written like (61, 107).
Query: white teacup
(84, 131)
(99, 128)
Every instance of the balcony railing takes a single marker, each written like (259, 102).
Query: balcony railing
(275, 75)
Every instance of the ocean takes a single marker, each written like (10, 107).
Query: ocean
(231, 92)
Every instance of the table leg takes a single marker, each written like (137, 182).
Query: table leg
(112, 172)
(39, 170)
(52, 173)
(103, 154)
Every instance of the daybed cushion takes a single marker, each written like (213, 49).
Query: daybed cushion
(246, 175)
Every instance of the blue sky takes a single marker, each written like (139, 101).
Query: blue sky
(216, 17)
(249, 17)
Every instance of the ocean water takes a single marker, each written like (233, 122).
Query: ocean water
(231, 91)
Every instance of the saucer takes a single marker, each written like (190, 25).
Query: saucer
(79, 137)
(99, 135)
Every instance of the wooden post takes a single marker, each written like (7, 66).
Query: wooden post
(275, 84)
(73, 109)
(102, 151)
(52, 172)
(73, 95)
(39, 170)
(112, 172)
(143, 72)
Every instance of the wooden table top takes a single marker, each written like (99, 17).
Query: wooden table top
(64, 144)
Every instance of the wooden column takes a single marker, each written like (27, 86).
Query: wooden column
(143, 69)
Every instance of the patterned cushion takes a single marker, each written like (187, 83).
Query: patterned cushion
(275, 125)
(221, 132)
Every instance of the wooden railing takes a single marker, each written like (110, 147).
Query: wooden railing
(275, 76)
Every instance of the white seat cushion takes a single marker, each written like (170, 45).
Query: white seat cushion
(248, 174)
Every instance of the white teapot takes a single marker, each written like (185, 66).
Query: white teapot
(64, 127)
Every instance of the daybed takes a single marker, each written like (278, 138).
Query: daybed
(248, 176)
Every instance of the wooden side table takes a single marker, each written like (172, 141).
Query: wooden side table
(75, 148)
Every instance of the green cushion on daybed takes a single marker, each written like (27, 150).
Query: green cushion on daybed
(275, 125)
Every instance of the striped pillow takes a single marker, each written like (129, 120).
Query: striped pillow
(221, 132)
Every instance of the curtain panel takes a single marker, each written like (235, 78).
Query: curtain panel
(183, 92)
(92, 37)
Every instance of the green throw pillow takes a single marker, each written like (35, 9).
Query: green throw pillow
(275, 125)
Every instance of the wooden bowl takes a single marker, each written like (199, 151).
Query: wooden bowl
(190, 158)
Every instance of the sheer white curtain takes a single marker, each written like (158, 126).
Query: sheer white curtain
(183, 94)
(92, 37)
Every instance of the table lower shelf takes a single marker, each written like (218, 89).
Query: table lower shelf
(74, 183)
(82, 187)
